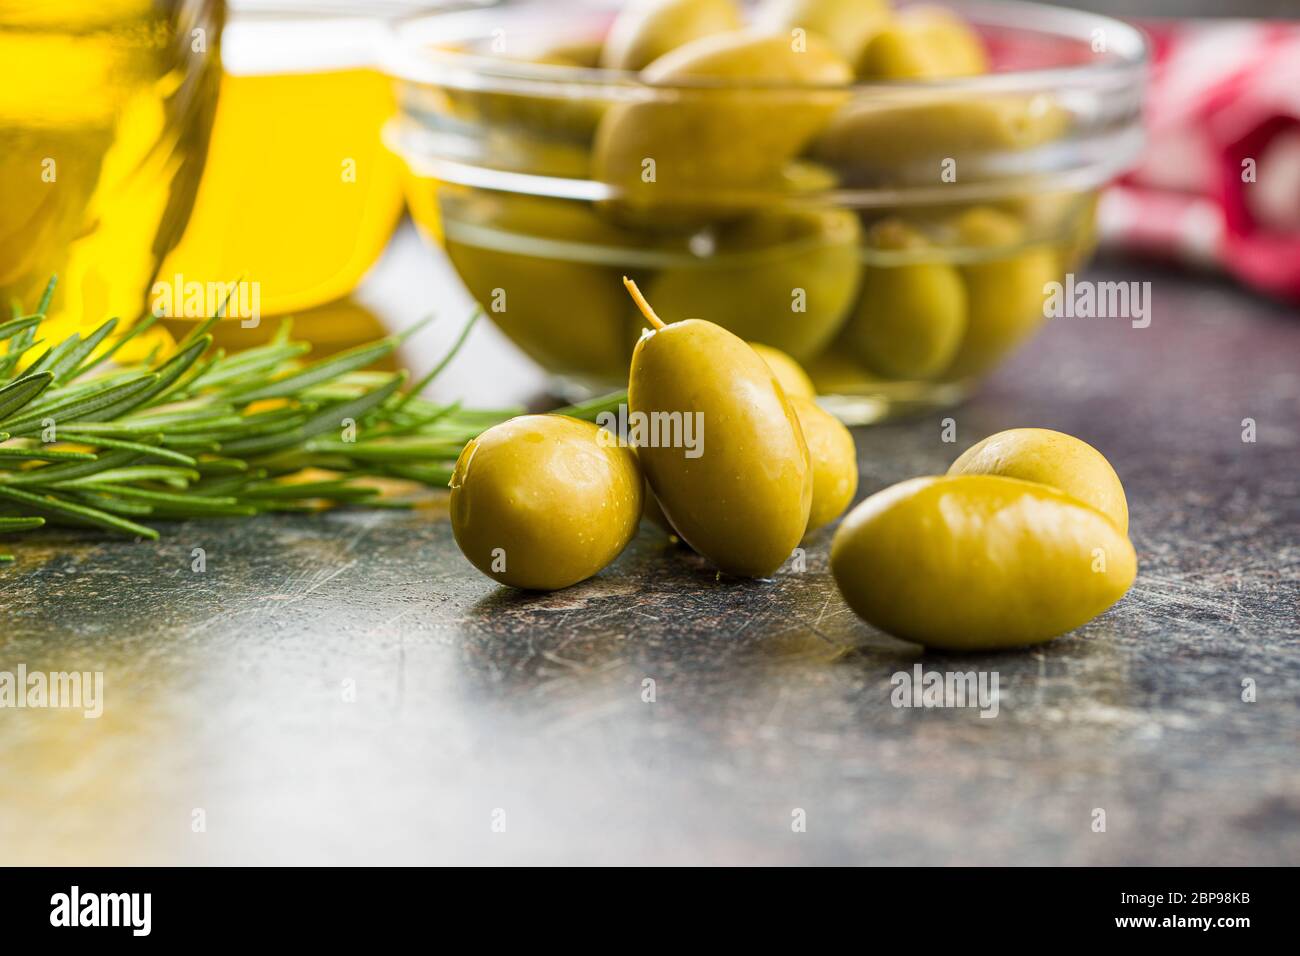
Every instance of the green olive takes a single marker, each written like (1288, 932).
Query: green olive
(910, 141)
(911, 316)
(743, 500)
(544, 501)
(1004, 290)
(925, 43)
(834, 462)
(654, 514)
(834, 373)
(802, 177)
(979, 562)
(645, 30)
(793, 379)
(517, 151)
(1046, 215)
(580, 51)
(846, 24)
(1067, 218)
(650, 511)
(783, 277)
(1050, 458)
(1081, 237)
(701, 152)
(516, 255)
(570, 118)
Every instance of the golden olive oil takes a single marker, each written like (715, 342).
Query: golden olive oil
(105, 109)
(300, 196)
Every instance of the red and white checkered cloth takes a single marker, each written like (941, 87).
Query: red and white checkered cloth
(1220, 181)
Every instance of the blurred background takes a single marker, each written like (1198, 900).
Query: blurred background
(202, 140)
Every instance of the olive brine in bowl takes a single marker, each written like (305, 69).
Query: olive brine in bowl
(880, 191)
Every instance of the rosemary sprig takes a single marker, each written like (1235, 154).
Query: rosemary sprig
(198, 433)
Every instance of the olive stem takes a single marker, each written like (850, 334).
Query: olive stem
(642, 304)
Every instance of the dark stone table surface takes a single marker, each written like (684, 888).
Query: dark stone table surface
(346, 688)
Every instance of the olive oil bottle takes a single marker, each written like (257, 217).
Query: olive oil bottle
(300, 196)
(105, 111)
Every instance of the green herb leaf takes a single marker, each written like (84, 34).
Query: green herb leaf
(172, 436)
(16, 395)
(80, 514)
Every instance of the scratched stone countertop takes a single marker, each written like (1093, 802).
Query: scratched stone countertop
(346, 689)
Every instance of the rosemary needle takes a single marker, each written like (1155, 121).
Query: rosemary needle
(196, 433)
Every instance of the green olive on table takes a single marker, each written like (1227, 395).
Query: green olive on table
(834, 461)
(699, 152)
(793, 379)
(650, 511)
(924, 43)
(1050, 458)
(517, 256)
(979, 562)
(911, 315)
(846, 24)
(654, 514)
(541, 502)
(645, 30)
(743, 501)
(1004, 288)
(783, 277)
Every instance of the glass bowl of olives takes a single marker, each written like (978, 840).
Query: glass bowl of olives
(880, 190)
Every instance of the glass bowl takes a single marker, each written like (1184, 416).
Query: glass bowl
(893, 237)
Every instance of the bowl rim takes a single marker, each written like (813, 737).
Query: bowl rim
(1128, 54)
